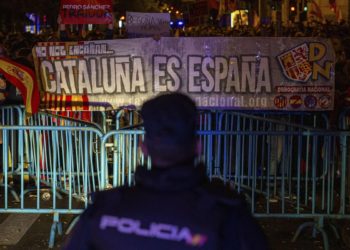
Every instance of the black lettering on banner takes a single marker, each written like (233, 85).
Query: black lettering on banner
(41, 51)
(96, 84)
(86, 13)
(221, 71)
(145, 22)
(165, 77)
(57, 50)
(61, 79)
(206, 74)
(122, 71)
(193, 74)
(219, 74)
(233, 84)
(138, 83)
(110, 75)
(248, 73)
(70, 66)
(47, 72)
(208, 83)
(174, 82)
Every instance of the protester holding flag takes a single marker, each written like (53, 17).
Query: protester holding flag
(25, 80)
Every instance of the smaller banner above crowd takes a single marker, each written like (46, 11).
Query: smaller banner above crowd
(147, 24)
(293, 74)
(86, 11)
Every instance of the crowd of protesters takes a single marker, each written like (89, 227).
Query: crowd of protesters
(18, 46)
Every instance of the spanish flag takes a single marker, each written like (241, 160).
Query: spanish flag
(55, 102)
(74, 106)
(24, 79)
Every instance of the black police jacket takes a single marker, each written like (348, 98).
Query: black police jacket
(167, 209)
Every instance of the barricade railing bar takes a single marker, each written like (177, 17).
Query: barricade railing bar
(10, 116)
(93, 118)
(215, 119)
(344, 119)
(50, 119)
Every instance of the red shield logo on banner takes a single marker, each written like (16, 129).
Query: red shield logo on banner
(295, 63)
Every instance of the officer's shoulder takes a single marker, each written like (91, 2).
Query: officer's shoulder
(223, 193)
(105, 196)
(104, 201)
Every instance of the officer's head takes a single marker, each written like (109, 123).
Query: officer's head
(170, 125)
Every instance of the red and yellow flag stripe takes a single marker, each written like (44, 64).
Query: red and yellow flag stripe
(24, 79)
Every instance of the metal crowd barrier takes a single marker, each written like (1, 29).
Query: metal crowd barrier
(118, 169)
(59, 167)
(285, 170)
(10, 116)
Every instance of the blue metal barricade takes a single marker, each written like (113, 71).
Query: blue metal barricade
(59, 161)
(119, 168)
(10, 116)
(286, 170)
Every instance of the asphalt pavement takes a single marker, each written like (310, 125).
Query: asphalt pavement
(279, 232)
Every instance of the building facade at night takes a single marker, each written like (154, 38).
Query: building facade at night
(285, 11)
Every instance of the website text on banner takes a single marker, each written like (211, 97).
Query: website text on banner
(86, 11)
(230, 73)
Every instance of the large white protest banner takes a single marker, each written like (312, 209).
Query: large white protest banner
(147, 24)
(217, 72)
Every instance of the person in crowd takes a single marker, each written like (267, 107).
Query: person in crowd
(65, 35)
(173, 205)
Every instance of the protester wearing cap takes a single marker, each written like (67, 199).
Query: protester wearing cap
(173, 205)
